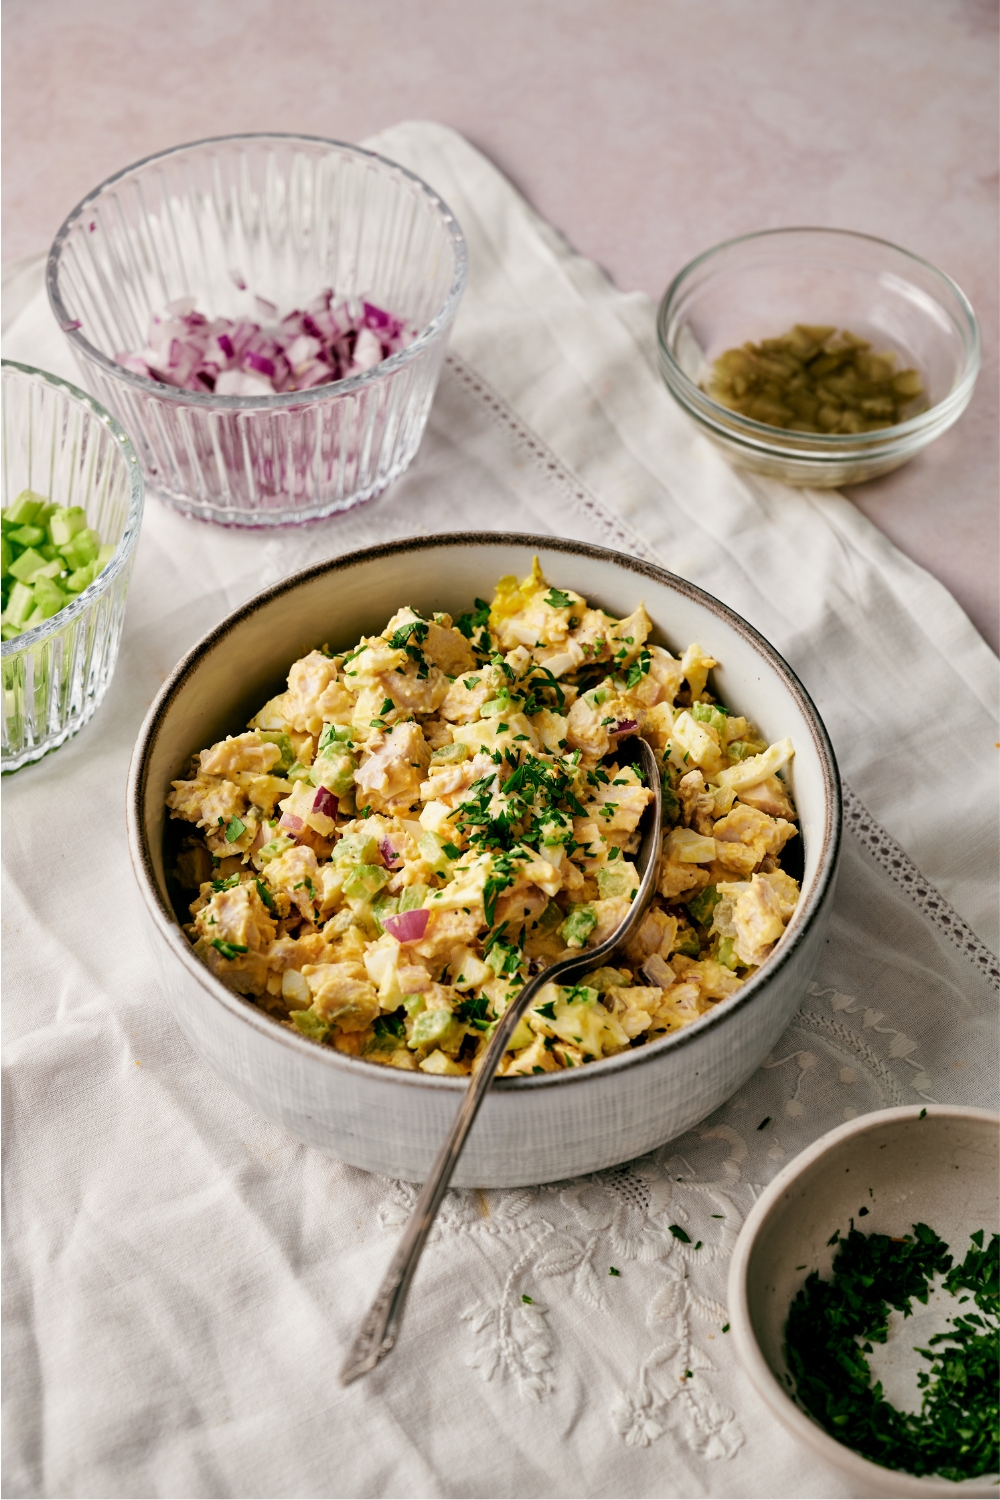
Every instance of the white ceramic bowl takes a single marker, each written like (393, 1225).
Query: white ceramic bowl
(940, 1170)
(533, 1129)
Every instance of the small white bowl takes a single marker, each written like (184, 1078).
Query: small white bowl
(901, 1167)
(529, 1130)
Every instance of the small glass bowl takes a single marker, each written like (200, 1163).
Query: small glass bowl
(287, 216)
(759, 286)
(58, 442)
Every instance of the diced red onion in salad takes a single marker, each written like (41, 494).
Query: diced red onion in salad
(325, 802)
(291, 822)
(407, 926)
(327, 341)
(390, 858)
(626, 726)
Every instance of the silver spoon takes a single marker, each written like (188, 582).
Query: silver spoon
(380, 1328)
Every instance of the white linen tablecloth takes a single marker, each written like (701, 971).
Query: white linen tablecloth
(182, 1278)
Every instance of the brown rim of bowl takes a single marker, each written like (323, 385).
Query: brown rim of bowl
(169, 928)
(780, 1401)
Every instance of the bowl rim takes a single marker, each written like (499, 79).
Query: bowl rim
(805, 917)
(763, 1378)
(280, 400)
(28, 639)
(820, 448)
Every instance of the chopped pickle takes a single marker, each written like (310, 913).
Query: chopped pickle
(815, 379)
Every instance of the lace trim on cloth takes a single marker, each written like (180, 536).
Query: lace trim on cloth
(875, 839)
(896, 862)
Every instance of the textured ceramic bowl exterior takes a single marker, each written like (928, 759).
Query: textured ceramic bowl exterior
(58, 442)
(533, 1129)
(759, 286)
(281, 217)
(940, 1170)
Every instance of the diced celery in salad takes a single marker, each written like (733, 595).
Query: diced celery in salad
(49, 556)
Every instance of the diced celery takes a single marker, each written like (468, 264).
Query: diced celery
(413, 896)
(8, 632)
(414, 1004)
(27, 536)
(35, 618)
(725, 954)
(334, 768)
(49, 597)
(707, 713)
(310, 1024)
(431, 1026)
(49, 552)
(335, 734)
(447, 755)
(578, 926)
(81, 549)
(65, 522)
(703, 905)
(382, 907)
(280, 738)
(550, 918)
(24, 509)
(744, 749)
(432, 850)
(27, 565)
(82, 578)
(20, 604)
(364, 881)
(616, 879)
(687, 942)
(297, 772)
(6, 554)
(104, 556)
(360, 848)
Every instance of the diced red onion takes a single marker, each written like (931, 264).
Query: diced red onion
(291, 821)
(71, 323)
(259, 362)
(326, 342)
(390, 858)
(325, 802)
(626, 726)
(407, 926)
(238, 281)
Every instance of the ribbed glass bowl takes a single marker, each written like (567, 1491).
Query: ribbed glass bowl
(761, 285)
(60, 443)
(289, 216)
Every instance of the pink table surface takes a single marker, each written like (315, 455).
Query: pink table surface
(645, 130)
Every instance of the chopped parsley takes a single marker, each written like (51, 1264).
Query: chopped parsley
(229, 950)
(235, 830)
(558, 600)
(680, 1234)
(613, 1271)
(832, 1325)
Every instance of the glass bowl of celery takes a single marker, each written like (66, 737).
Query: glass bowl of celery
(72, 508)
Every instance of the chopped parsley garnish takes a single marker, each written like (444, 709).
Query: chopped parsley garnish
(680, 1234)
(558, 600)
(235, 830)
(764, 1123)
(417, 629)
(227, 883)
(229, 950)
(832, 1325)
(471, 682)
(548, 1010)
(264, 894)
(613, 1271)
(452, 851)
(526, 1298)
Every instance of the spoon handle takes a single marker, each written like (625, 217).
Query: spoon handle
(380, 1327)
